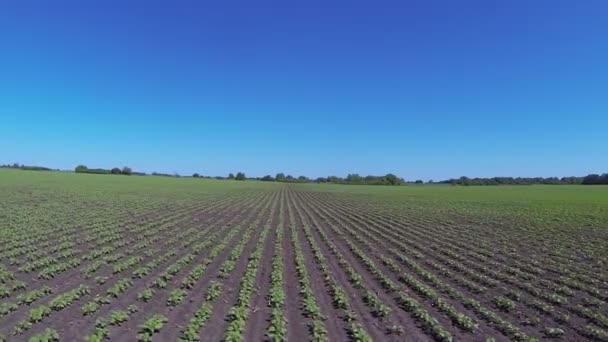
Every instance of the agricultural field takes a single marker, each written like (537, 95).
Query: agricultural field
(98, 257)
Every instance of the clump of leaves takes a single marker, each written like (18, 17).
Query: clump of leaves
(32, 296)
(18, 285)
(21, 327)
(37, 314)
(101, 331)
(504, 303)
(48, 335)
(395, 330)
(90, 308)
(119, 287)
(554, 332)
(6, 308)
(4, 291)
(151, 326)
(100, 280)
(175, 297)
(214, 291)
(118, 317)
(145, 295)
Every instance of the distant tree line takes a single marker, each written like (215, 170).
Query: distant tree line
(391, 179)
(240, 176)
(595, 179)
(353, 179)
(281, 177)
(516, 181)
(25, 167)
(160, 174)
(114, 171)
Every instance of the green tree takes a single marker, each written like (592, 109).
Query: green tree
(392, 179)
(240, 176)
(81, 169)
(354, 178)
(127, 171)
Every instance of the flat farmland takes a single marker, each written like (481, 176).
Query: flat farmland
(98, 257)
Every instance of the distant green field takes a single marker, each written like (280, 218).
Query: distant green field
(123, 186)
(576, 205)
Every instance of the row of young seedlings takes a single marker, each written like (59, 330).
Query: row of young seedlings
(316, 326)
(58, 303)
(51, 268)
(229, 265)
(593, 316)
(175, 297)
(498, 272)
(378, 307)
(41, 259)
(462, 321)
(143, 271)
(404, 259)
(503, 304)
(339, 297)
(24, 299)
(527, 270)
(191, 236)
(51, 273)
(238, 314)
(33, 241)
(7, 290)
(197, 272)
(407, 303)
(117, 317)
(277, 331)
(584, 279)
(459, 319)
(114, 291)
(191, 332)
(104, 252)
(154, 323)
(148, 231)
(47, 335)
(507, 305)
(311, 308)
(148, 234)
(340, 300)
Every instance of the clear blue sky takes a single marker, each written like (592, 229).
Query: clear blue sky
(423, 89)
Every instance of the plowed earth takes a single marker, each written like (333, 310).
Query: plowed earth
(450, 277)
